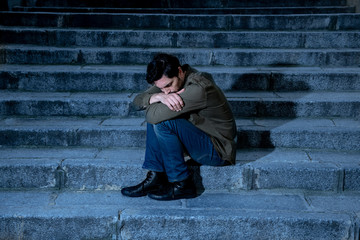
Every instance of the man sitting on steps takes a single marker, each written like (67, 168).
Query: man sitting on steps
(186, 113)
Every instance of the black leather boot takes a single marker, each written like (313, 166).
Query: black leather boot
(153, 182)
(176, 190)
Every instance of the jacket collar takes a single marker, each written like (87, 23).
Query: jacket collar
(188, 70)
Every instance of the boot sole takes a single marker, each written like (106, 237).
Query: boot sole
(187, 196)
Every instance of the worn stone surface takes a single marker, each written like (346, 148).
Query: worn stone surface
(243, 104)
(242, 225)
(183, 39)
(352, 177)
(119, 132)
(181, 4)
(227, 57)
(109, 215)
(28, 173)
(347, 202)
(114, 168)
(131, 78)
(310, 176)
(68, 143)
(189, 22)
(223, 10)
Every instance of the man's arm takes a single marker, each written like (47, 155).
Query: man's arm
(193, 98)
(171, 100)
(142, 101)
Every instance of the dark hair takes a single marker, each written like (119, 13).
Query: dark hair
(162, 64)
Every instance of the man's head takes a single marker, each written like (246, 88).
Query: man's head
(166, 73)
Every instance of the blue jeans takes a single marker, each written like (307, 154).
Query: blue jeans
(166, 143)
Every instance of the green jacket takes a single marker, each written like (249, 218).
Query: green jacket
(204, 105)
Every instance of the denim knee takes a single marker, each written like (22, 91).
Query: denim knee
(167, 125)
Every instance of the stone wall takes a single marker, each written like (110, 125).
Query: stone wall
(355, 3)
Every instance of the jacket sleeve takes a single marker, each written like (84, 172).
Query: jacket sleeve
(194, 98)
(141, 101)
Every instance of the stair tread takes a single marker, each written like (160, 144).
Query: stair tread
(17, 13)
(114, 168)
(329, 215)
(212, 32)
(185, 38)
(318, 96)
(184, 21)
(72, 122)
(142, 69)
(118, 156)
(173, 10)
(248, 211)
(261, 201)
(210, 205)
(171, 50)
(202, 56)
(136, 123)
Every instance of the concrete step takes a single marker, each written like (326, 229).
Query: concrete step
(300, 104)
(71, 78)
(113, 168)
(28, 54)
(202, 22)
(244, 104)
(213, 215)
(181, 4)
(65, 104)
(239, 10)
(176, 39)
(334, 133)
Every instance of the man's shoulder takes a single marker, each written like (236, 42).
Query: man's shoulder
(201, 78)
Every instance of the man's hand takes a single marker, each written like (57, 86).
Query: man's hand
(172, 100)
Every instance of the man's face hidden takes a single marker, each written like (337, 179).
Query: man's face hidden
(171, 85)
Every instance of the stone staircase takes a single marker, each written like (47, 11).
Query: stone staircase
(69, 140)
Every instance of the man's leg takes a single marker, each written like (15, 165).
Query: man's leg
(188, 137)
(172, 150)
(156, 177)
(175, 136)
(153, 156)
